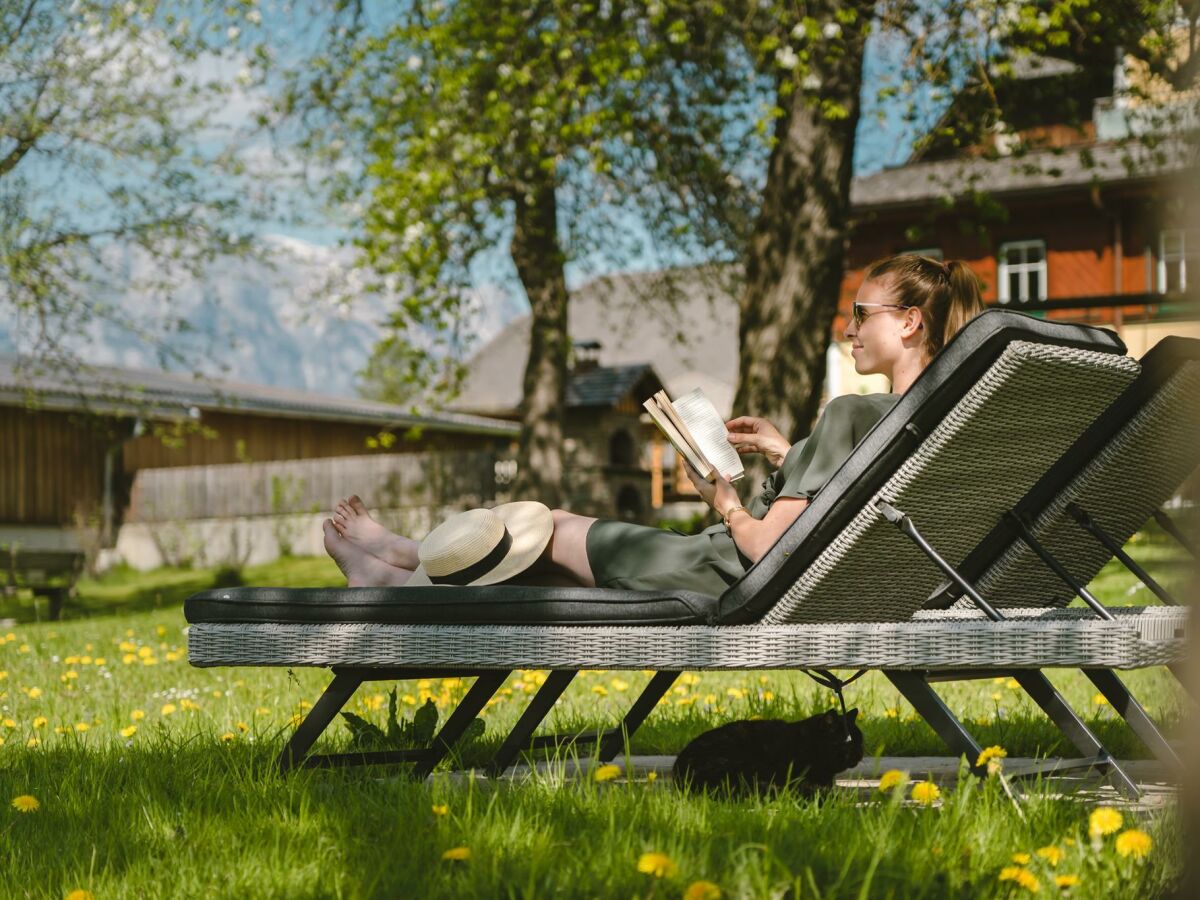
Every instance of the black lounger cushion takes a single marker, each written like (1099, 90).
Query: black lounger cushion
(429, 605)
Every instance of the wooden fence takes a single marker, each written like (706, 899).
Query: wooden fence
(384, 481)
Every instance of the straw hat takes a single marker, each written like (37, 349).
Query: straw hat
(484, 546)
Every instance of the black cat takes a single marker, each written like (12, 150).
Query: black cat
(770, 754)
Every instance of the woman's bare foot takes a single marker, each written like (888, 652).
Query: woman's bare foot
(354, 522)
(360, 567)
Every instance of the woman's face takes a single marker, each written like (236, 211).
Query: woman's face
(879, 341)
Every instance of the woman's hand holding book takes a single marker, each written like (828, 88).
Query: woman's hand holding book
(753, 434)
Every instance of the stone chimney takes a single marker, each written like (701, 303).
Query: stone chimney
(585, 355)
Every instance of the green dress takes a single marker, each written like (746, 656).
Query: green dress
(638, 557)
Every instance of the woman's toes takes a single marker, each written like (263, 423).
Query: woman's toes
(355, 503)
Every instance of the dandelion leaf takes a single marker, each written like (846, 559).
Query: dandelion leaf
(362, 732)
(424, 722)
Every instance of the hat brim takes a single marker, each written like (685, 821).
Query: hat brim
(530, 523)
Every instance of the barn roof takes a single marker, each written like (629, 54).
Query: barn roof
(155, 394)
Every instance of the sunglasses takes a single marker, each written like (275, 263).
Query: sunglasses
(861, 315)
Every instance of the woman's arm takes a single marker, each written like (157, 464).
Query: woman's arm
(754, 537)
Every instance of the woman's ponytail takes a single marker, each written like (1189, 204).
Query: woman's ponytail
(964, 302)
(946, 293)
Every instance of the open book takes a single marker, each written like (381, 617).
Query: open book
(695, 428)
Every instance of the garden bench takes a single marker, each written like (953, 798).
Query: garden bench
(45, 561)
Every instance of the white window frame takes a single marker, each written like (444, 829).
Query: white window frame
(1004, 269)
(1179, 257)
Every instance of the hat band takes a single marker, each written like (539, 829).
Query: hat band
(478, 570)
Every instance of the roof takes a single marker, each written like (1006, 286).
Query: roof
(1109, 163)
(684, 322)
(156, 394)
(606, 385)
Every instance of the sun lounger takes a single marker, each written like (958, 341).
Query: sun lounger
(981, 426)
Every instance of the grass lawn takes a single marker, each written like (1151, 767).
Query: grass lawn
(154, 778)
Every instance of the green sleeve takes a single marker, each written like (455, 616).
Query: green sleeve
(844, 422)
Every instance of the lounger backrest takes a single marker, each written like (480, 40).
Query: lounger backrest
(1004, 400)
(1122, 469)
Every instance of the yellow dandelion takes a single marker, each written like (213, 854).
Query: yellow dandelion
(143, 652)
(619, 684)
(26, 803)
(24, 648)
(262, 710)
(606, 772)
(891, 712)
(216, 694)
(457, 854)
(128, 659)
(189, 705)
(80, 894)
(889, 780)
(768, 696)
(296, 719)
(925, 792)
(99, 661)
(228, 736)
(1021, 859)
(1012, 684)
(1104, 820)
(441, 809)
(167, 709)
(1100, 700)
(137, 715)
(651, 777)
(128, 731)
(991, 754)
(702, 890)
(1022, 877)
(9, 723)
(33, 742)
(657, 864)
(242, 727)
(600, 689)
(34, 693)
(1133, 843)
(82, 726)
(1066, 881)
(1050, 854)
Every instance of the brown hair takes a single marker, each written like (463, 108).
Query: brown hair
(947, 293)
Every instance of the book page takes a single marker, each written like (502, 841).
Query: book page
(665, 404)
(672, 434)
(708, 430)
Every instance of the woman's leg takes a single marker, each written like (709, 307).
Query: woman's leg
(360, 567)
(567, 551)
(354, 522)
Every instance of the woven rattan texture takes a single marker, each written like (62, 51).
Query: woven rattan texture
(1152, 623)
(948, 645)
(1134, 474)
(1024, 413)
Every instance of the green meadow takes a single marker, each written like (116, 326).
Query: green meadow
(125, 772)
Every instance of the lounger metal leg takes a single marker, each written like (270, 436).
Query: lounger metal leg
(339, 692)
(1088, 524)
(539, 707)
(930, 706)
(1119, 697)
(464, 714)
(613, 742)
(1044, 694)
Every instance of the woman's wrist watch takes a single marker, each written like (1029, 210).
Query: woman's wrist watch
(730, 512)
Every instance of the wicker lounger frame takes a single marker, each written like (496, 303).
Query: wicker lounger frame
(957, 480)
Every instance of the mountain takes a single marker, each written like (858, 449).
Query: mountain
(276, 323)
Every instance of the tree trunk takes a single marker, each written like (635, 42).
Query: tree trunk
(539, 261)
(795, 255)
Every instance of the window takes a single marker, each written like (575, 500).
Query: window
(1178, 247)
(1022, 271)
(931, 252)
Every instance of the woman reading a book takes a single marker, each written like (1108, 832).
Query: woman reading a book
(906, 310)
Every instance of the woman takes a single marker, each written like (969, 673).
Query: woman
(906, 310)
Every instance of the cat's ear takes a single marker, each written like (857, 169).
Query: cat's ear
(852, 715)
(830, 716)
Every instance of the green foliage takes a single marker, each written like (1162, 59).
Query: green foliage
(399, 733)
